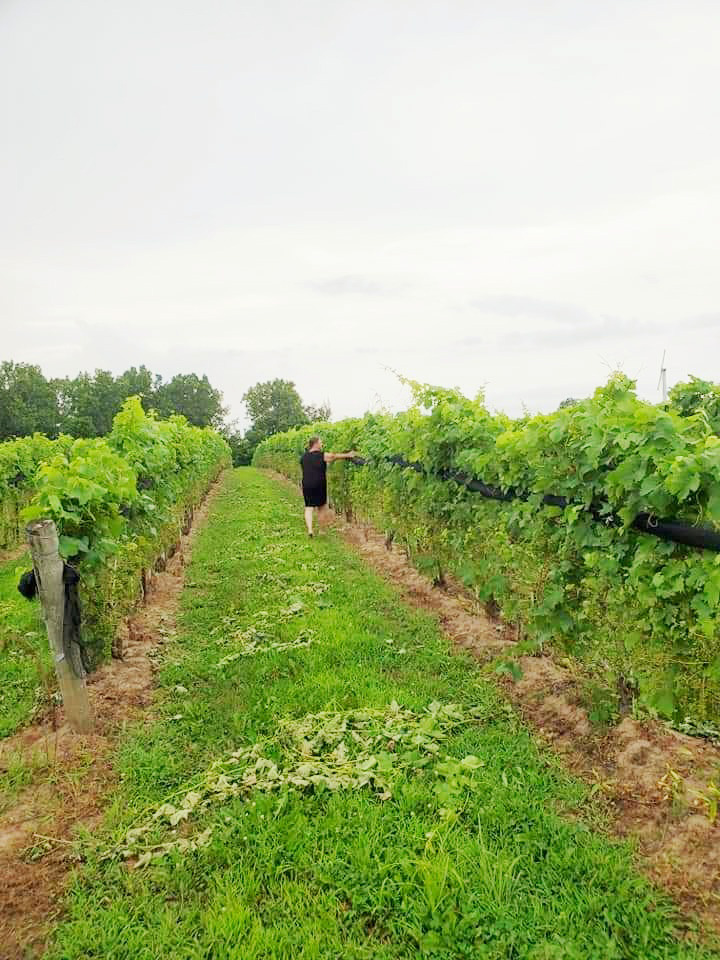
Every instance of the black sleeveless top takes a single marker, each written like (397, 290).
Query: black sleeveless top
(314, 469)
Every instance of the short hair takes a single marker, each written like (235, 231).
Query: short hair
(311, 442)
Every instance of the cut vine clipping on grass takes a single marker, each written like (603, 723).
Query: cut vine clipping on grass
(344, 750)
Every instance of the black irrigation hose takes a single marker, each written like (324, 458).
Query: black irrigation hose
(702, 538)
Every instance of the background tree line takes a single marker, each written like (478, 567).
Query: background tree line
(272, 406)
(84, 406)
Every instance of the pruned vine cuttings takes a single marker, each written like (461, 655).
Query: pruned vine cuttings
(346, 750)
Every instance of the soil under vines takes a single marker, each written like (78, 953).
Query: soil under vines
(72, 775)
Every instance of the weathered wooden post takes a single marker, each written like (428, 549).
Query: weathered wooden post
(47, 562)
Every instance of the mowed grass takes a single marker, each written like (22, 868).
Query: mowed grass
(517, 872)
(24, 652)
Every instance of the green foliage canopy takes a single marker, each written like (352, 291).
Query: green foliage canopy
(119, 502)
(28, 402)
(273, 406)
(697, 398)
(637, 610)
(103, 491)
(84, 406)
(192, 397)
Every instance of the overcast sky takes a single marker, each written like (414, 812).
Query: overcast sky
(516, 195)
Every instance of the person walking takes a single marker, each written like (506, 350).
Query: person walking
(314, 479)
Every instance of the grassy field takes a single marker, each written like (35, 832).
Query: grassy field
(24, 653)
(466, 841)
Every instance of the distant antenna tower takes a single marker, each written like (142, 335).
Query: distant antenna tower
(662, 381)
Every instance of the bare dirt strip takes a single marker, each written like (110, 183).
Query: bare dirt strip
(72, 773)
(651, 777)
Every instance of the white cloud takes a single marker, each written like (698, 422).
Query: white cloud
(515, 194)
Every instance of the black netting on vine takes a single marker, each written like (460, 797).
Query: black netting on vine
(73, 645)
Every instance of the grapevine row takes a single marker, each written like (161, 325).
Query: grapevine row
(119, 503)
(19, 462)
(643, 614)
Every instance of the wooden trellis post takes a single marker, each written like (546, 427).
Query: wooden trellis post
(47, 562)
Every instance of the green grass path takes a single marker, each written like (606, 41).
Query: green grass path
(498, 862)
(24, 653)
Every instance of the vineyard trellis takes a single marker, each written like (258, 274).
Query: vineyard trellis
(702, 538)
(118, 502)
(642, 612)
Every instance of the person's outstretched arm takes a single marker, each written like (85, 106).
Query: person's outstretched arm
(329, 457)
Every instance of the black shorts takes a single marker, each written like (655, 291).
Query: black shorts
(315, 496)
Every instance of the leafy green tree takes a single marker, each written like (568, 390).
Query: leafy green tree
(318, 414)
(273, 407)
(192, 396)
(84, 406)
(88, 403)
(28, 402)
(140, 382)
(241, 448)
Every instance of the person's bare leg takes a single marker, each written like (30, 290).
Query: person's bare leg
(324, 516)
(309, 519)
